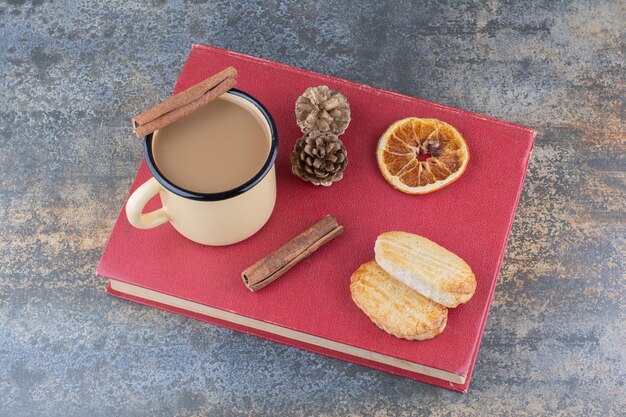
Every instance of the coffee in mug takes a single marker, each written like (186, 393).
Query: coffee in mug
(215, 149)
(214, 172)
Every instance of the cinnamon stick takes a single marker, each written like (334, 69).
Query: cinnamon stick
(184, 103)
(268, 269)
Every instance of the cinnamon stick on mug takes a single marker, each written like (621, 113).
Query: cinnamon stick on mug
(268, 269)
(184, 103)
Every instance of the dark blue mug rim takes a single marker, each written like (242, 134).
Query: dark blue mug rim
(192, 195)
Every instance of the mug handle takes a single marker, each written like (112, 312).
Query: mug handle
(136, 202)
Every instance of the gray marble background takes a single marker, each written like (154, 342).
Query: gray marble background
(73, 72)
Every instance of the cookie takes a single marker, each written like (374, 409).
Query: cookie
(394, 307)
(426, 267)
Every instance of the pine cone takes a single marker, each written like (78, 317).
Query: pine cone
(319, 158)
(322, 109)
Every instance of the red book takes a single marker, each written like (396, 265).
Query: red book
(310, 306)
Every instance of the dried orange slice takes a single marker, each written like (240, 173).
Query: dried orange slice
(419, 156)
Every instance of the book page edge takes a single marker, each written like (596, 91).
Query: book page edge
(204, 310)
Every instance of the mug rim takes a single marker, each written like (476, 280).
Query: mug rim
(233, 192)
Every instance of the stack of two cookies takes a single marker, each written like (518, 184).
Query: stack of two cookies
(407, 290)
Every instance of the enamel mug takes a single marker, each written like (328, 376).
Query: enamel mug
(213, 219)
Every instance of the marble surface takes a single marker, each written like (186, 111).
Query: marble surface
(73, 72)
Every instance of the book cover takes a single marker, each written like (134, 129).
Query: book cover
(310, 306)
